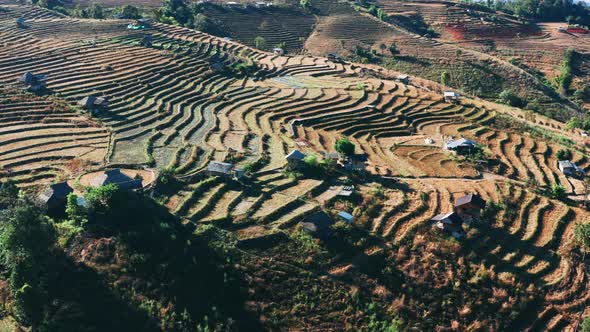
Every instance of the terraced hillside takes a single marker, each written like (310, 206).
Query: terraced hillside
(288, 27)
(43, 139)
(169, 109)
(470, 69)
(456, 21)
(536, 48)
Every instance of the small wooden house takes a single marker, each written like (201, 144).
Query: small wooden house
(450, 223)
(115, 176)
(469, 207)
(295, 159)
(318, 225)
(403, 78)
(451, 96)
(356, 163)
(226, 170)
(570, 169)
(55, 197)
(32, 82)
(334, 57)
(460, 146)
(332, 155)
(20, 23)
(278, 51)
(93, 103)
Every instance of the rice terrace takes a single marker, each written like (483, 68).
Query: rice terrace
(313, 165)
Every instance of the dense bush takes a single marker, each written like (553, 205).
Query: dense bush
(582, 236)
(557, 191)
(564, 154)
(344, 146)
(511, 98)
(566, 72)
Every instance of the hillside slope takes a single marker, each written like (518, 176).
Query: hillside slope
(170, 109)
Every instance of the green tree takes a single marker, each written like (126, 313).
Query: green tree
(101, 198)
(344, 146)
(557, 191)
(445, 77)
(80, 12)
(509, 97)
(393, 49)
(566, 75)
(305, 4)
(582, 237)
(8, 194)
(260, 42)
(96, 11)
(129, 12)
(26, 239)
(73, 210)
(166, 175)
(372, 10)
(311, 161)
(381, 14)
(564, 154)
(382, 47)
(201, 23)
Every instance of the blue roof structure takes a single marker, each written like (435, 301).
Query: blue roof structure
(346, 216)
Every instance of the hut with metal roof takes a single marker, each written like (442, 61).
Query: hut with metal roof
(460, 146)
(469, 207)
(295, 159)
(115, 176)
(570, 169)
(450, 223)
(54, 197)
(93, 103)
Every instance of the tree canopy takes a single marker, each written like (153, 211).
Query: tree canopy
(344, 146)
(545, 10)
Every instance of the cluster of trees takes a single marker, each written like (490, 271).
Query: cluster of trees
(368, 55)
(581, 121)
(313, 166)
(544, 10)
(184, 13)
(51, 292)
(377, 12)
(566, 72)
(26, 246)
(29, 251)
(94, 11)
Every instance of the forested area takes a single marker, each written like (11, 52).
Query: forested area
(543, 10)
